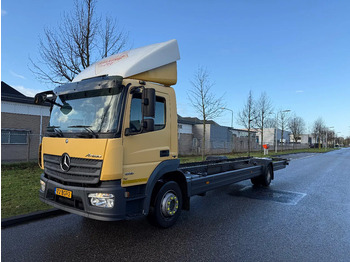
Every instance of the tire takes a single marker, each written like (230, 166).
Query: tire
(266, 179)
(256, 181)
(167, 205)
(263, 180)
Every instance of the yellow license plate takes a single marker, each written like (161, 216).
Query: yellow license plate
(63, 192)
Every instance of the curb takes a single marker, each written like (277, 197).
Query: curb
(21, 219)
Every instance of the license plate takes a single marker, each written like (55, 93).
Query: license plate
(63, 192)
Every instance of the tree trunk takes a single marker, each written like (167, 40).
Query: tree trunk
(203, 141)
(262, 140)
(249, 139)
(282, 140)
(319, 142)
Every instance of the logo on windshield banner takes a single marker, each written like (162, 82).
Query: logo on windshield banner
(65, 162)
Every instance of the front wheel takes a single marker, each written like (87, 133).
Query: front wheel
(167, 205)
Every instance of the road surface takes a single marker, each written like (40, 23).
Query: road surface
(303, 216)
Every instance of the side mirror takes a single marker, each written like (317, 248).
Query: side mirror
(149, 102)
(42, 97)
(66, 108)
(127, 132)
(39, 99)
(148, 125)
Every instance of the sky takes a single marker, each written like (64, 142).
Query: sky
(298, 52)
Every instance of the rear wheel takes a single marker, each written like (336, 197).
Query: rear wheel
(167, 205)
(256, 180)
(266, 179)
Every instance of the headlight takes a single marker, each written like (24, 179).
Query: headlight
(42, 186)
(101, 200)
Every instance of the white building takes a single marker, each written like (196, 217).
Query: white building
(270, 136)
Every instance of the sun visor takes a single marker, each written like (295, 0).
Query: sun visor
(155, 63)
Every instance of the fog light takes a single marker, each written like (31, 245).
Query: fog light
(101, 200)
(42, 186)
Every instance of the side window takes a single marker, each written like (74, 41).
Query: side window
(159, 120)
(136, 113)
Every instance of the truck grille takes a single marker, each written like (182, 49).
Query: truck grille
(85, 171)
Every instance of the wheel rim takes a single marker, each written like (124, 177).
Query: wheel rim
(268, 176)
(169, 204)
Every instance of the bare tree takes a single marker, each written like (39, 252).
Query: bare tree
(247, 116)
(297, 126)
(204, 102)
(330, 137)
(318, 131)
(283, 123)
(263, 110)
(80, 40)
(270, 122)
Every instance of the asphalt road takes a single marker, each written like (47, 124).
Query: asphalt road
(303, 216)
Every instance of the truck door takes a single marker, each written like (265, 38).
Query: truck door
(144, 151)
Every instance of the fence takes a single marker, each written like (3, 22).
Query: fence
(239, 146)
(286, 147)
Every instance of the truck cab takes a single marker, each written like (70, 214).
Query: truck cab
(110, 129)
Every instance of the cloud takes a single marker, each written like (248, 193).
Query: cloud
(299, 91)
(3, 12)
(26, 91)
(17, 75)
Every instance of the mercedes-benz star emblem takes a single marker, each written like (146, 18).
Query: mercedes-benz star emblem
(65, 162)
(66, 141)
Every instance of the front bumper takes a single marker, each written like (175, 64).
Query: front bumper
(79, 203)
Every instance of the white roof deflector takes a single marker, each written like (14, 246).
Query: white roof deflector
(156, 63)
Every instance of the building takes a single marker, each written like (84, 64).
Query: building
(240, 140)
(303, 139)
(219, 139)
(187, 144)
(22, 125)
(270, 136)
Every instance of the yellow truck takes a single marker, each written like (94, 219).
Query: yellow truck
(110, 151)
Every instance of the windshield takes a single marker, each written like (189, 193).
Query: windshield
(93, 111)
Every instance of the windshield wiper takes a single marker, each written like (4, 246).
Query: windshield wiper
(87, 128)
(56, 130)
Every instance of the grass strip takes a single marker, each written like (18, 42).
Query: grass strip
(20, 189)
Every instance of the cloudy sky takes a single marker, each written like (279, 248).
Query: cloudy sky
(295, 51)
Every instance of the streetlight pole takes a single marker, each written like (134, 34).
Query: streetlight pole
(224, 108)
(284, 111)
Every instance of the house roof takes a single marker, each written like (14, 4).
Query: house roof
(10, 94)
(9, 91)
(193, 120)
(242, 130)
